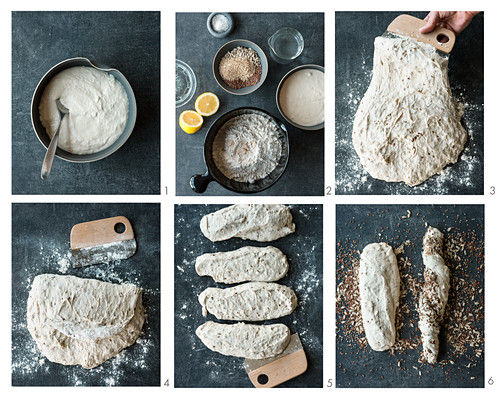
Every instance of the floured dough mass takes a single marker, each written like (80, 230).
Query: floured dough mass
(98, 109)
(407, 127)
(244, 264)
(434, 295)
(83, 321)
(245, 340)
(249, 222)
(379, 294)
(249, 302)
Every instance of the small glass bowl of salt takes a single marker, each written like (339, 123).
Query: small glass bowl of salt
(220, 24)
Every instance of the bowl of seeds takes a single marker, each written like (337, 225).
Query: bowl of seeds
(240, 67)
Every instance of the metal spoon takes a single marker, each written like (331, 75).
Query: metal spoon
(51, 151)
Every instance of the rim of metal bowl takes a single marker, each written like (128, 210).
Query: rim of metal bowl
(278, 90)
(262, 78)
(101, 68)
(194, 82)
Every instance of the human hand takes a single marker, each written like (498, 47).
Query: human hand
(455, 21)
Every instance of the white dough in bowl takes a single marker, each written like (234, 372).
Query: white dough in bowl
(302, 97)
(98, 109)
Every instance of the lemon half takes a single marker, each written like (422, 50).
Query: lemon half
(207, 104)
(190, 121)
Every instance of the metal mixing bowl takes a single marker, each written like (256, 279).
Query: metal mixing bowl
(278, 90)
(40, 129)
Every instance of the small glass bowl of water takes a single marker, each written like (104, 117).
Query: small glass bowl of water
(185, 83)
(285, 45)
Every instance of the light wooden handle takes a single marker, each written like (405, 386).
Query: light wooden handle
(99, 232)
(281, 370)
(407, 25)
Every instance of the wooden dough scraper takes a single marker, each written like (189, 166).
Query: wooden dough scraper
(406, 25)
(270, 372)
(102, 241)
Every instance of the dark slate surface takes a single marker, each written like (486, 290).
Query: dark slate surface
(355, 33)
(198, 366)
(127, 41)
(41, 244)
(360, 225)
(195, 46)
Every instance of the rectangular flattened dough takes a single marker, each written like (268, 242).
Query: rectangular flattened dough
(83, 321)
(245, 340)
(407, 127)
(249, 222)
(249, 302)
(244, 264)
(379, 292)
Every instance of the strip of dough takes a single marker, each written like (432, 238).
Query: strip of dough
(379, 292)
(249, 222)
(245, 340)
(83, 321)
(434, 295)
(249, 302)
(244, 264)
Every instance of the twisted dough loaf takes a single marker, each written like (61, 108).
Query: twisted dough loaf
(434, 296)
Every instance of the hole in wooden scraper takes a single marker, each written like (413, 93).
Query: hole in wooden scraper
(442, 38)
(263, 379)
(120, 228)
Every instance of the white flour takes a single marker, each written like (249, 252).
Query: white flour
(247, 148)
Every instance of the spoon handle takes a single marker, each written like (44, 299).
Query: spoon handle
(49, 156)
